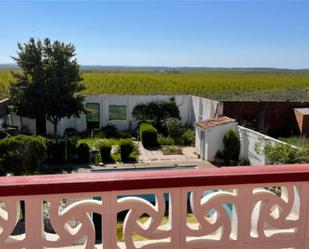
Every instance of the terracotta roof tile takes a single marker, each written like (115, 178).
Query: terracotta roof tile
(215, 122)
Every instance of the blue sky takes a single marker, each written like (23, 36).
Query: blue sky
(165, 33)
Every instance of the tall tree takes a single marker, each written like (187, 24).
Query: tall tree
(49, 83)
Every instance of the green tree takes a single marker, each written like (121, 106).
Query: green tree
(48, 85)
(157, 112)
(231, 144)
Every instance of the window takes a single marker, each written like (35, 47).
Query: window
(117, 112)
(93, 114)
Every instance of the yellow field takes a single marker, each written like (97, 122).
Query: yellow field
(232, 85)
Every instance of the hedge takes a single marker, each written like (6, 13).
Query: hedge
(105, 151)
(56, 150)
(22, 154)
(149, 135)
(126, 148)
(83, 153)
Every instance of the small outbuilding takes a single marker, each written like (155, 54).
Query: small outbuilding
(302, 119)
(209, 136)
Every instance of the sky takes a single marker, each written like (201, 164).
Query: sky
(222, 33)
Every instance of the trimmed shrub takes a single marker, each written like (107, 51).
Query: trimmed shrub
(56, 150)
(188, 137)
(126, 148)
(149, 135)
(105, 151)
(22, 154)
(231, 146)
(83, 152)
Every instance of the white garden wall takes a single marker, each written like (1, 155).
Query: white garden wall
(105, 100)
(204, 109)
(192, 109)
(188, 113)
(213, 142)
(248, 140)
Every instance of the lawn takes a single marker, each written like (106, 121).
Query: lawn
(224, 85)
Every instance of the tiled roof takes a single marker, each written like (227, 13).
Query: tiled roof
(215, 122)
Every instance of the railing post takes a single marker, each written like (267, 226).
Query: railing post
(244, 212)
(34, 228)
(305, 204)
(178, 210)
(109, 221)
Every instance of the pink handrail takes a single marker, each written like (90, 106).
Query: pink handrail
(91, 182)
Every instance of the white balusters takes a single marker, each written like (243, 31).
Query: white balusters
(238, 216)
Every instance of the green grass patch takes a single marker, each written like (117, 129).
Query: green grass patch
(171, 150)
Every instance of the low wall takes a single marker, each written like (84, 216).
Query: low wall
(248, 140)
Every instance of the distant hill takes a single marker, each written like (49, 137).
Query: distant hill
(98, 68)
(8, 66)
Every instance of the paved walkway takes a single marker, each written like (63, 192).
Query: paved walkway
(152, 158)
(147, 156)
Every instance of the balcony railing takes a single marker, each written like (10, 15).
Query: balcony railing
(263, 207)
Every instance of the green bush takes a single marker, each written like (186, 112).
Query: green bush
(231, 144)
(174, 128)
(157, 112)
(165, 140)
(109, 130)
(105, 151)
(56, 150)
(3, 134)
(244, 162)
(126, 148)
(83, 152)
(286, 154)
(188, 137)
(22, 155)
(149, 135)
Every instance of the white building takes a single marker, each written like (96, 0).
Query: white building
(209, 140)
(209, 136)
(117, 109)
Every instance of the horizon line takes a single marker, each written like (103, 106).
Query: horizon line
(174, 67)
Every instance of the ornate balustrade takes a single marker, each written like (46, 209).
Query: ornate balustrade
(261, 207)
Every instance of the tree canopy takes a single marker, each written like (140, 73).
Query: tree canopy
(157, 112)
(48, 84)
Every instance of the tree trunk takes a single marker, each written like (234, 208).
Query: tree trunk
(40, 123)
